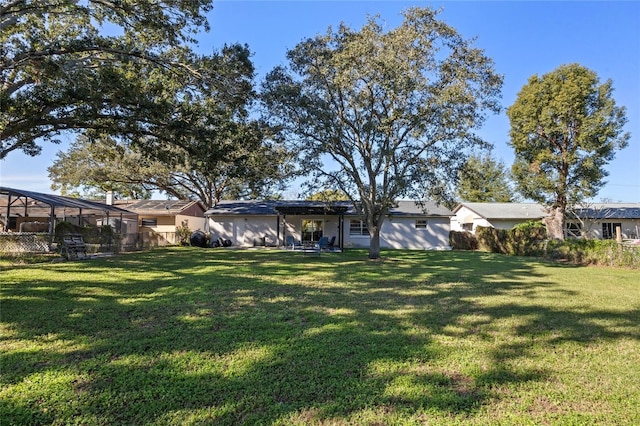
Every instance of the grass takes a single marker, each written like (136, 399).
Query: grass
(192, 336)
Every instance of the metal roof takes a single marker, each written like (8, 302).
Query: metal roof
(537, 211)
(60, 201)
(275, 207)
(610, 211)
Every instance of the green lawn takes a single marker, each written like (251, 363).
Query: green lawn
(194, 336)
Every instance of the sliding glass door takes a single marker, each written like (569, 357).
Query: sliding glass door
(312, 230)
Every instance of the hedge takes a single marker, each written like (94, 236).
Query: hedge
(530, 239)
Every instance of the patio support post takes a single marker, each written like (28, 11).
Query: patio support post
(108, 223)
(284, 229)
(341, 232)
(278, 230)
(6, 224)
(52, 216)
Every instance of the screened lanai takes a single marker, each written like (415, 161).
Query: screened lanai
(28, 211)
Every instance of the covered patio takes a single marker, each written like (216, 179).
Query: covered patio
(313, 229)
(273, 222)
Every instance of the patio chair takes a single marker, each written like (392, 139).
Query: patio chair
(292, 243)
(323, 243)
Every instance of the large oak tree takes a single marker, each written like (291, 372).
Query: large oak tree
(565, 127)
(68, 65)
(384, 114)
(230, 155)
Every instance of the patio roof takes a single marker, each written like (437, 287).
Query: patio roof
(312, 209)
(59, 201)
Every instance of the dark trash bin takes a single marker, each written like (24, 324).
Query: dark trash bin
(198, 239)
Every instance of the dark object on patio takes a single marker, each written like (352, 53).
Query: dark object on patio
(219, 242)
(198, 239)
(331, 242)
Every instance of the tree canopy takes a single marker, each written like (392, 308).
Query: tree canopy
(565, 127)
(109, 67)
(382, 115)
(328, 195)
(484, 179)
(229, 155)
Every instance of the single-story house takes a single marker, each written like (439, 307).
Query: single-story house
(597, 221)
(601, 220)
(162, 218)
(468, 216)
(409, 225)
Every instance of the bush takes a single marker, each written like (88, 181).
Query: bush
(525, 239)
(594, 252)
(463, 240)
(491, 239)
(183, 235)
(529, 239)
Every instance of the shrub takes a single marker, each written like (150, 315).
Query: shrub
(526, 239)
(595, 252)
(529, 239)
(491, 239)
(183, 235)
(463, 240)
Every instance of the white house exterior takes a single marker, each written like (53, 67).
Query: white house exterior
(598, 221)
(601, 221)
(249, 223)
(468, 216)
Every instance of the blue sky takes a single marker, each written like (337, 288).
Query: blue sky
(523, 38)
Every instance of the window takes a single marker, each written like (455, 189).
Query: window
(609, 230)
(421, 224)
(574, 229)
(150, 222)
(467, 227)
(358, 227)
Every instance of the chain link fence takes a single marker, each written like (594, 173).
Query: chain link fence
(24, 242)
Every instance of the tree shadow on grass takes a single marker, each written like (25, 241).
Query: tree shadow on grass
(236, 337)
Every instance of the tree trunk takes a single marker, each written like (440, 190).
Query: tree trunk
(555, 223)
(374, 243)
